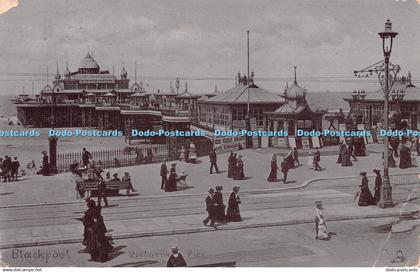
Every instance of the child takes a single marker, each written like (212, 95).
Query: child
(310, 161)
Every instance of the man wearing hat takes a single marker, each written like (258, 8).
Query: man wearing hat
(210, 208)
(116, 178)
(176, 259)
(378, 184)
(102, 192)
(163, 174)
(213, 161)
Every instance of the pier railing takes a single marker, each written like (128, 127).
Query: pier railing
(135, 155)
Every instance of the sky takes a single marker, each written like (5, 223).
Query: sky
(204, 42)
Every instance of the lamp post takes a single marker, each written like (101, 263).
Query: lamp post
(53, 139)
(387, 74)
(358, 96)
(387, 37)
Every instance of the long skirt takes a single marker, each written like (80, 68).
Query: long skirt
(366, 198)
(239, 173)
(272, 177)
(233, 214)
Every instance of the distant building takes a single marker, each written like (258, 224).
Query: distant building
(368, 110)
(293, 115)
(227, 110)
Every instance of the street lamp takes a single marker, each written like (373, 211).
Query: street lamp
(358, 95)
(387, 74)
(387, 37)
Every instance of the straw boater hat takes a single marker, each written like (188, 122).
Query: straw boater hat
(43, 152)
(236, 188)
(376, 171)
(363, 173)
(211, 190)
(219, 188)
(115, 174)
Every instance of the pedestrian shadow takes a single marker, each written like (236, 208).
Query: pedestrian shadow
(130, 195)
(136, 264)
(115, 252)
(110, 206)
(290, 181)
(7, 193)
(186, 187)
(245, 178)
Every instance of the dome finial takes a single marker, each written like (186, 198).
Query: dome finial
(295, 75)
(67, 72)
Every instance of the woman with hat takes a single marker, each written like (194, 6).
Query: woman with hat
(365, 196)
(320, 224)
(219, 207)
(233, 214)
(378, 184)
(170, 185)
(230, 165)
(239, 173)
(176, 259)
(272, 177)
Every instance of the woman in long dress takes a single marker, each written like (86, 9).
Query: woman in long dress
(234, 165)
(310, 163)
(272, 177)
(340, 151)
(378, 184)
(365, 196)
(239, 173)
(45, 164)
(320, 224)
(233, 214)
(95, 240)
(230, 165)
(345, 157)
(405, 157)
(171, 184)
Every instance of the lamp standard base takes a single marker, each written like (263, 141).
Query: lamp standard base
(386, 196)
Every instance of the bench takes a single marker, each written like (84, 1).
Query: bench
(112, 187)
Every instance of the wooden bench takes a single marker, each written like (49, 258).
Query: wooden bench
(112, 187)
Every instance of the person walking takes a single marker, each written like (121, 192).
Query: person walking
(45, 164)
(230, 165)
(364, 194)
(272, 177)
(171, 184)
(351, 149)
(378, 184)
(86, 156)
(296, 155)
(163, 175)
(176, 259)
(15, 169)
(7, 169)
(320, 224)
(234, 165)
(345, 157)
(213, 161)
(219, 206)
(317, 159)
(239, 169)
(127, 178)
(102, 192)
(233, 213)
(284, 169)
(210, 208)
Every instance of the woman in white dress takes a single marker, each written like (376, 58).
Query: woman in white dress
(320, 224)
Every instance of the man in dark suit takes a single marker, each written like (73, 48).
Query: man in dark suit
(163, 174)
(317, 159)
(213, 161)
(210, 208)
(102, 193)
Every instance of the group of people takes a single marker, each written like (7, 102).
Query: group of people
(9, 168)
(291, 161)
(170, 184)
(406, 156)
(188, 153)
(365, 196)
(346, 152)
(235, 167)
(216, 209)
(314, 159)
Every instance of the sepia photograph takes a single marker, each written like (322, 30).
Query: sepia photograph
(210, 133)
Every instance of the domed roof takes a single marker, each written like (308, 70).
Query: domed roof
(88, 63)
(295, 92)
